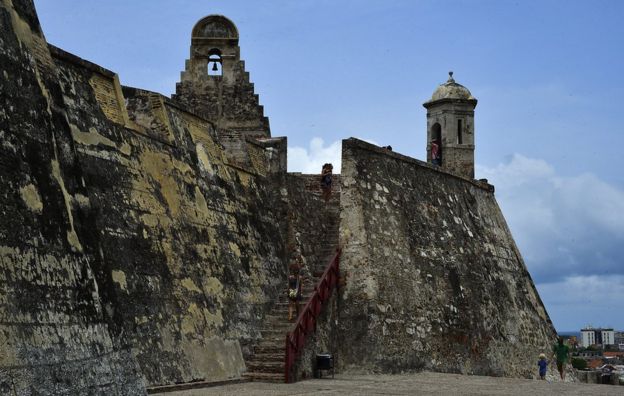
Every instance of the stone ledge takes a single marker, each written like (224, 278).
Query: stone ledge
(59, 53)
(360, 144)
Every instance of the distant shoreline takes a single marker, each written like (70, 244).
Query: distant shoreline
(577, 334)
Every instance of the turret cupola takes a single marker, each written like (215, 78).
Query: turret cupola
(450, 128)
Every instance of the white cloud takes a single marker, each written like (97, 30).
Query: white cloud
(563, 225)
(310, 160)
(517, 171)
(590, 300)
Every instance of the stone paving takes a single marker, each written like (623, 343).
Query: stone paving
(408, 384)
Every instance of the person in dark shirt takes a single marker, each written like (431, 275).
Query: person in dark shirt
(326, 180)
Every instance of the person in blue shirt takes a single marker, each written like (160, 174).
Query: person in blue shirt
(542, 363)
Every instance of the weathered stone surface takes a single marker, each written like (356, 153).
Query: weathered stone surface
(433, 277)
(146, 246)
(188, 249)
(55, 337)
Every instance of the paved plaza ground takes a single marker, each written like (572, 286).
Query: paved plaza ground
(407, 384)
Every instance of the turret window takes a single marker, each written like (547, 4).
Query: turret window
(459, 132)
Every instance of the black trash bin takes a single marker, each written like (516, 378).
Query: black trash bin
(605, 377)
(324, 361)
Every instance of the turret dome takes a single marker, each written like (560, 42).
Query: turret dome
(451, 90)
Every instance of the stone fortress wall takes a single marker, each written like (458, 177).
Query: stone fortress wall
(55, 336)
(188, 246)
(135, 252)
(144, 240)
(433, 278)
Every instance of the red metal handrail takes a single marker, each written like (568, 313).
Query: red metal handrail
(306, 322)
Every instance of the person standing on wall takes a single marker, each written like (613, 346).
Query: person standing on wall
(436, 159)
(560, 353)
(294, 290)
(326, 181)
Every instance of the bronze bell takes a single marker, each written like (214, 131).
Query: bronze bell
(214, 67)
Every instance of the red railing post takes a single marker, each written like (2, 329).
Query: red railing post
(306, 322)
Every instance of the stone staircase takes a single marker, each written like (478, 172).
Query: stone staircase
(267, 362)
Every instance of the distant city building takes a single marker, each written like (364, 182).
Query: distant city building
(590, 354)
(591, 336)
(608, 337)
(570, 340)
(619, 340)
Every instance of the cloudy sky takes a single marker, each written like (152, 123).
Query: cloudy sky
(548, 76)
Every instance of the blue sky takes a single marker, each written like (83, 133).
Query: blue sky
(548, 76)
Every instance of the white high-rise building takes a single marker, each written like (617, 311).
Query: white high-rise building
(591, 336)
(608, 337)
(588, 337)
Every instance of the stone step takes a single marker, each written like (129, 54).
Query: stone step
(266, 366)
(305, 290)
(283, 302)
(276, 317)
(274, 357)
(267, 363)
(282, 313)
(270, 348)
(273, 333)
(280, 319)
(272, 340)
(284, 325)
(304, 297)
(281, 310)
(275, 338)
(264, 377)
(283, 328)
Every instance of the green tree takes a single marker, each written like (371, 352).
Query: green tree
(579, 363)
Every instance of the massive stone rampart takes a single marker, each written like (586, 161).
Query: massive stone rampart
(55, 337)
(434, 279)
(188, 248)
(133, 251)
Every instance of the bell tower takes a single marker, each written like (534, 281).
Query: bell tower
(450, 128)
(215, 84)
